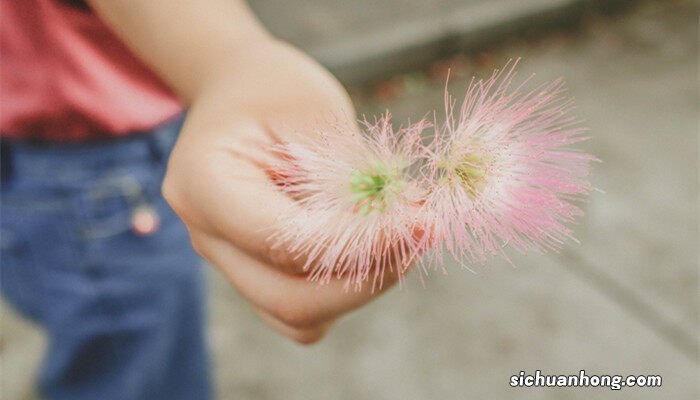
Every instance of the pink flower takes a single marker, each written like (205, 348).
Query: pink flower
(357, 202)
(501, 171)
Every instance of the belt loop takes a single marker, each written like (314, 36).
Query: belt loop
(5, 160)
(155, 146)
(163, 137)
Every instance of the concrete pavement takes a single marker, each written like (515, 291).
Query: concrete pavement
(361, 40)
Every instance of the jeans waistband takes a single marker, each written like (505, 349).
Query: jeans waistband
(52, 160)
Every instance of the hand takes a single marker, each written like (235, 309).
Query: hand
(239, 82)
(228, 203)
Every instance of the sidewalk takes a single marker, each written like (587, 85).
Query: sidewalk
(362, 40)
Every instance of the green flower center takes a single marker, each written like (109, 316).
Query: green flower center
(471, 171)
(374, 188)
(466, 169)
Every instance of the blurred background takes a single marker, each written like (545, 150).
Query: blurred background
(624, 301)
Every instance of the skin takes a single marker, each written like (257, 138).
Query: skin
(240, 83)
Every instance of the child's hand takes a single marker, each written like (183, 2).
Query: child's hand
(239, 83)
(229, 204)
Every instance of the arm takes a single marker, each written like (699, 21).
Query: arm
(238, 80)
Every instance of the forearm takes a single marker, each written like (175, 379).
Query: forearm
(191, 45)
(218, 57)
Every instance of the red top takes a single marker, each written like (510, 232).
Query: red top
(65, 76)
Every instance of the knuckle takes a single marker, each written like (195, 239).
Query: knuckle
(285, 260)
(198, 245)
(295, 316)
(309, 337)
(171, 193)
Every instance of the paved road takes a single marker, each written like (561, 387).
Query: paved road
(623, 301)
(361, 39)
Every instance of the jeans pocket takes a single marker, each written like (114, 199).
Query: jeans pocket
(131, 224)
(113, 204)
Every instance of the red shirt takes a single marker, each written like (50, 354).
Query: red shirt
(65, 76)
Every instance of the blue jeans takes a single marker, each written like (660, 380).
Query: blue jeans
(124, 311)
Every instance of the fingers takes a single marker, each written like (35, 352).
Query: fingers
(305, 336)
(219, 193)
(225, 193)
(292, 300)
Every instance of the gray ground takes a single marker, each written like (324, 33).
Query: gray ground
(361, 39)
(623, 301)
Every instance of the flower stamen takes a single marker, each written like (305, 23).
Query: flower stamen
(471, 171)
(373, 189)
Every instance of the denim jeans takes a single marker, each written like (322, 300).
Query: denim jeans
(124, 311)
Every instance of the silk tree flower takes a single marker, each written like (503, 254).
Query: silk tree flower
(357, 204)
(502, 171)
